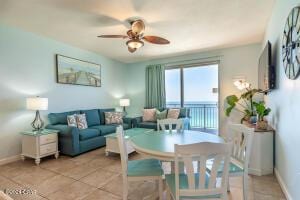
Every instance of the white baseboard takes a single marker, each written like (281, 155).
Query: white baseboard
(10, 159)
(283, 185)
(258, 172)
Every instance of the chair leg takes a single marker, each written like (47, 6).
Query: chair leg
(160, 188)
(245, 186)
(168, 195)
(125, 191)
(228, 185)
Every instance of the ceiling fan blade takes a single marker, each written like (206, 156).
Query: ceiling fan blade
(131, 50)
(113, 36)
(138, 27)
(156, 40)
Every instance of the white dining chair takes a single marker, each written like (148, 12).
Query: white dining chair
(197, 183)
(241, 136)
(138, 170)
(168, 124)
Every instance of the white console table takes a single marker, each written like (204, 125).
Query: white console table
(262, 156)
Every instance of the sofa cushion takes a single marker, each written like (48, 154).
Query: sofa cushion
(60, 118)
(88, 133)
(108, 129)
(150, 125)
(105, 129)
(102, 115)
(92, 117)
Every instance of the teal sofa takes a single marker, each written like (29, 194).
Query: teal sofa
(73, 141)
(184, 115)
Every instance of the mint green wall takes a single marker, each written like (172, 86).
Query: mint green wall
(27, 68)
(237, 61)
(285, 105)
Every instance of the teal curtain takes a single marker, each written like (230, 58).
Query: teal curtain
(155, 86)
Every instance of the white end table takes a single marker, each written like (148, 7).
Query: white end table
(39, 144)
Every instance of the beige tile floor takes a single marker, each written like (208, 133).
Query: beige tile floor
(93, 176)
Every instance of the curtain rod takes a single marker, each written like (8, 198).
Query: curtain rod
(196, 59)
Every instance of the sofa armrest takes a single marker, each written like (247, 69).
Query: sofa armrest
(136, 120)
(65, 130)
(127, 120)
(68, 138)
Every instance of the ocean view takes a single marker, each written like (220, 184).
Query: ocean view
(203, 114)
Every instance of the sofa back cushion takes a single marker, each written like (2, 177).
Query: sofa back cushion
(60, 118)
(102, 115)
(92, 117)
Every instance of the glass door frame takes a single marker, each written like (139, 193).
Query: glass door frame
(198, 64)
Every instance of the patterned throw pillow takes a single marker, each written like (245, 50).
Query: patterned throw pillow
(161, 114)
(173, 113)
(72, 120)
(113, 117)
(81, 121)
(149, 115)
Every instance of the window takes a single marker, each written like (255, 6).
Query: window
(196, 88)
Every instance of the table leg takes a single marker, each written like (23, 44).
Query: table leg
(37, 161)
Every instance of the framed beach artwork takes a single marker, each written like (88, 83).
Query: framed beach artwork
(77, 72)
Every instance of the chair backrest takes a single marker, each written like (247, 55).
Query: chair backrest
(241, 136)
(167, 124)
(123, 152)
(203, 182)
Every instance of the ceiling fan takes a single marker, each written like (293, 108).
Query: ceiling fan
(136, 35)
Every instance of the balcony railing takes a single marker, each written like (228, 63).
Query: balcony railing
(202, 115)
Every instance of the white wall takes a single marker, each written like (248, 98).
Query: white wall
(285, 105)
(27, 68)
(236, 61)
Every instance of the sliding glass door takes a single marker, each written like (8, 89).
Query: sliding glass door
(196, 88)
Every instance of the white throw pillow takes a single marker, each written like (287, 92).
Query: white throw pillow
(173, 113)
(113, 117)
(72, 120)
(149, 115)
(81, 121)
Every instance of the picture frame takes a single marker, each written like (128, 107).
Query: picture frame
(77, 72)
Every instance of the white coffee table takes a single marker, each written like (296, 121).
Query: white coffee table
(112, 141)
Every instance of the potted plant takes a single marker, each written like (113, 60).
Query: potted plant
(243, 104)
(261, 111)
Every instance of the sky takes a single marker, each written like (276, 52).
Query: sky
(198, 84)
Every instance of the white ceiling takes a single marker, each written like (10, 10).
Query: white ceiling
(190, 25)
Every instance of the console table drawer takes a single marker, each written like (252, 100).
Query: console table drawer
(45, 139)
(48, 148)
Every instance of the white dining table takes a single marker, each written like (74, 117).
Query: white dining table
(160, 144)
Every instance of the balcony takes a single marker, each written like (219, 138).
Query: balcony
(203, 116)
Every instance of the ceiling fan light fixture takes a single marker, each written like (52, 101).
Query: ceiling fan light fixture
(135, 44)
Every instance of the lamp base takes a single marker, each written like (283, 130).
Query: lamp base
(124, 111)
(37, 123)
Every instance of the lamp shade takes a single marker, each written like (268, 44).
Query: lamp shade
(37, 103)
(124, 102)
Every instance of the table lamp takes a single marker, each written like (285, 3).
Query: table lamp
(37, 104)
(124, 103)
